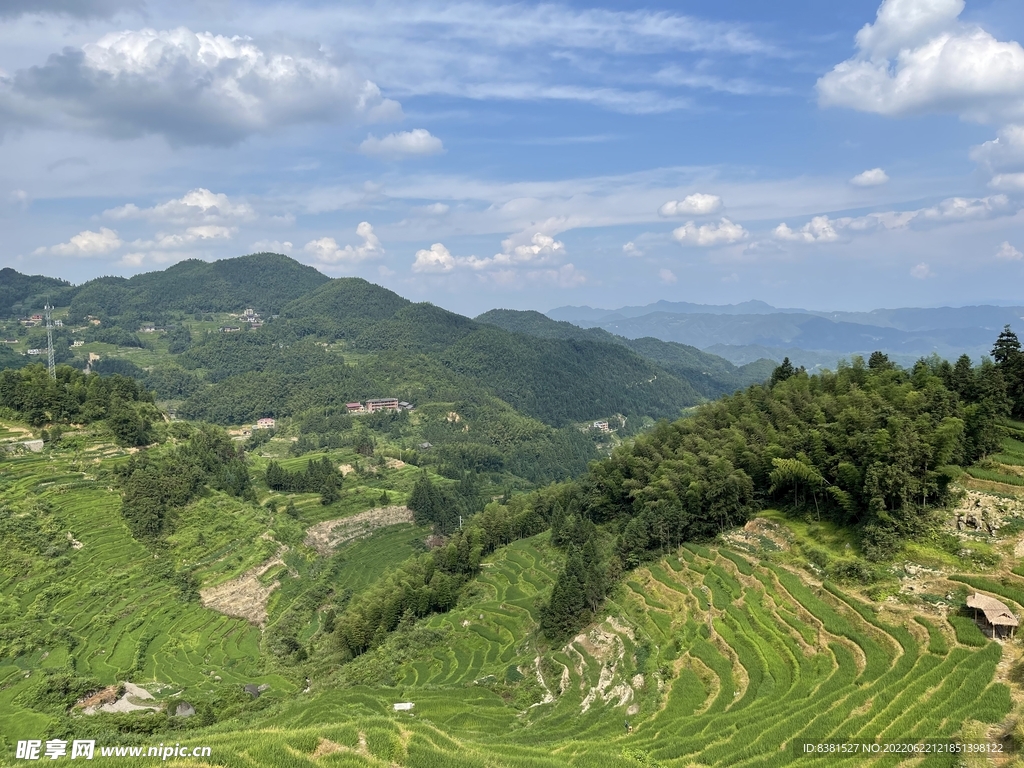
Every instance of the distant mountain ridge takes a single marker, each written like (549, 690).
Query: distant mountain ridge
(906, 318)
(754, 307)
(747, 331)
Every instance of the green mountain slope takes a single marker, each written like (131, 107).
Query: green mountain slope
(557, 380)
(778, 633)
(11, 359)
(266, 281)
(564, 380)
(708, 374)
(342, 308)
(421, 328)
(19, 293)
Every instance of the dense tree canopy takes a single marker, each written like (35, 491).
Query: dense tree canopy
(319, 476)
(155, 483)
(76, 397)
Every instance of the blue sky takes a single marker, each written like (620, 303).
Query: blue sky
(478, 155)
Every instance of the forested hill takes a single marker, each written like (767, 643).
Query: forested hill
(552, 372)
(266, 281)
(872, 448)
(20, 292)
(343, 308)
(554, 380)
(708, 374)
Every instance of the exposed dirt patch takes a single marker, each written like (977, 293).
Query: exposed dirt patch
(133, 699)
(346, 469)
(326, 536)
(107, 696)
(608, 649)
(548, 697)
(244, 597)
(394, 463)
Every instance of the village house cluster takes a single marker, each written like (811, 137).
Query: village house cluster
(249, 317)
(379, 404)
(370, 406)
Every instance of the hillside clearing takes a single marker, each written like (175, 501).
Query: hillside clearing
(327, 536)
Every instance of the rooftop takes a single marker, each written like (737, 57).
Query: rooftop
(995, 612)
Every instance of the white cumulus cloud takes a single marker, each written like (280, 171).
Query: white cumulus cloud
(1009, 182)
(166, 241)
(921, 271)
(961, 208)
(327, 251)
(697, 204)
(538, 249)
(722, 233)
(631, 249)
(403, 144)
(87, 243)
(196, 206)
(192, 87)
(1007, 252)
(820, 229)
(919, 57)
(434, 209)
(667, 276)
(871, 178)
(524, 257)
(272, 246)
(823, 229)
(1005, 152)
(437, 258)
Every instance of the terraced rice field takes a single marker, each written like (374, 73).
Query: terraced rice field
(742, 662)
(712, 656)
(126, 622)
(1007, 466)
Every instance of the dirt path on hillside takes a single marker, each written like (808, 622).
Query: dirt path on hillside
(326, 536)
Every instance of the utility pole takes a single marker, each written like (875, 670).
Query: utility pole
(49, 341)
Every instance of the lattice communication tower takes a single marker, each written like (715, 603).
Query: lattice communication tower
(49, 341)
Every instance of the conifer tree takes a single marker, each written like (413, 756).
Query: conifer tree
(783, 371)
(1010, 361)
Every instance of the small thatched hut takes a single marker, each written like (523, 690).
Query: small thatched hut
(997, 616)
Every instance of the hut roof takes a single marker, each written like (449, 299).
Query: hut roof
(995, 612)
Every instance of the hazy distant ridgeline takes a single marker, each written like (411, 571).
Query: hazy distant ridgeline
(745, 332)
